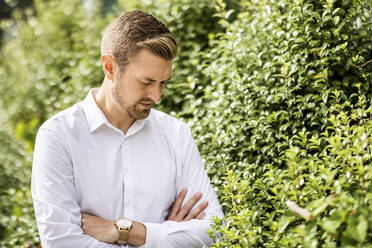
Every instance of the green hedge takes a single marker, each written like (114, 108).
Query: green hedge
(283, 120)
(278, 95)
(16, 211)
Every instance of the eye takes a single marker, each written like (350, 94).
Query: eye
(145, 83)
(164, 82)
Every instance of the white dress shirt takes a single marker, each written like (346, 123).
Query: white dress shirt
(83, 164)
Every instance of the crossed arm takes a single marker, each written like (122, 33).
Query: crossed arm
(106, 231)
(59, 214)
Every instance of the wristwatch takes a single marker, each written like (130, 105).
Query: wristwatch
(124, 226)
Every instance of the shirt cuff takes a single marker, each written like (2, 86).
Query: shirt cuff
(156, 235)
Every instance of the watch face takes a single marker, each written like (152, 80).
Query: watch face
(124, 223)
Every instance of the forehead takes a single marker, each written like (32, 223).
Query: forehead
(147, 64)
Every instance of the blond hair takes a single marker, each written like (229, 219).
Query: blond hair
(133, 31)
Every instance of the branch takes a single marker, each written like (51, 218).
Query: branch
(298, 211)
(362, 65)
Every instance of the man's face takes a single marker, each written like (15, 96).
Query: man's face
(140, 84)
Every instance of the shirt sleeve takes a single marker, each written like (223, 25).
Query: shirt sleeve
(55, 197)
(193, 176)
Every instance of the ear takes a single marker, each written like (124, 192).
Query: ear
(108, 66)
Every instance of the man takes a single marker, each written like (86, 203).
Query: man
(111, 171)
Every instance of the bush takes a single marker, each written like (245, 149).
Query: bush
(50, 62)
(17, 222)
(265, 123)
(328, 174)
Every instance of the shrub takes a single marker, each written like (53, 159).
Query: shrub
(50, 61)
(327, 174)
(17, 221)
(272, 73)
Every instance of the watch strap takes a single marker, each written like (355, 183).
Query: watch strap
(123, 236)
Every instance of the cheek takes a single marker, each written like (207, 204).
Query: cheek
(137, 92)
(130, 90)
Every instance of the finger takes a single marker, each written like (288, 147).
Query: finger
(188, 205)
(196, 211)
(82, 222)
(83, 217)
(200, 216)
(193, 214)
(177, 204)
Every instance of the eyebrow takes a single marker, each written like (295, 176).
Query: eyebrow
(152, 80)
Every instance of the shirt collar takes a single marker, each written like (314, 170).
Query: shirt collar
(137, 126)
(96, 118)
(93, 113)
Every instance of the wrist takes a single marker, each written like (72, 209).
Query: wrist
(137, 234)
(115, 232)
(123, 226)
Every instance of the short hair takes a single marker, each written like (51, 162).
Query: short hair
(134, 30)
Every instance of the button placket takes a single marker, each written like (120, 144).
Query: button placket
(125, 171)
(129, 185)
(123, 161)
(127, 182)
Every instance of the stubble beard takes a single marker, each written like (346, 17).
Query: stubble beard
(134, 111)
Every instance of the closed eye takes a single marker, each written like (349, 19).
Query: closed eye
(145, 83)
(150, 80)
(148, 83)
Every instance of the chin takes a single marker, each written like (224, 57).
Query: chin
(140, 114)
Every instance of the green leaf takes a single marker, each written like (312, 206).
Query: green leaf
(330, 225)
(284, 221)
(356, 228)
(362, 228)
(336, 20)
(319, 206)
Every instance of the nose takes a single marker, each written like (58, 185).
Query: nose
(154, 92)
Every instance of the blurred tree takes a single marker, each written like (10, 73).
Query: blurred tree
(7, 7)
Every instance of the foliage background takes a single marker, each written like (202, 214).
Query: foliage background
(277, 93)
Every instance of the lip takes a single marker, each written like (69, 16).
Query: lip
(146, 105)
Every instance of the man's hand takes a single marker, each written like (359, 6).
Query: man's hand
(100, 229)
(183, 214)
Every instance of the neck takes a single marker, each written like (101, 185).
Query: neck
(117, 118)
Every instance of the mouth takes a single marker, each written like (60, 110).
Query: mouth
(146, 105)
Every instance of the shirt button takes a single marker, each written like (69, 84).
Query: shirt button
(129, 202)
